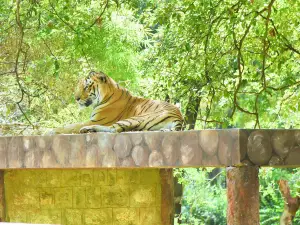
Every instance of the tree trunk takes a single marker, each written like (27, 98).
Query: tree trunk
(177, 198)
(192, 111)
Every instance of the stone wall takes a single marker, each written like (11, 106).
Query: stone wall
(220, 148)
(84, 197)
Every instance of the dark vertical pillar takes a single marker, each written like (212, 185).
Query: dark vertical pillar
(2, 202)
(242, 195)
(167, 196)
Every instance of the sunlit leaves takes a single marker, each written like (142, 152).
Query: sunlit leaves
(231, 48)
(63, 40)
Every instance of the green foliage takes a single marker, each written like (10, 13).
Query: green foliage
(239, 60)
(61, 41)
(271, 201)
(204, 198)
(238, 56)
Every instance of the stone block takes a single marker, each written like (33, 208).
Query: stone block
(170, 148)
(74, 217)
(128, 176)
(240, 145)
(29, 159)
(297, 137)
(17, 216)
(91, 158)
(126, 216)
(26, 196)
(150, 216)
(70, 178)
(134, 176)
(44, 216)
(63, 198)
(208, 140)
(98, 216)
(225, 148)
(136, 138)
(110, 159)
(100, 176)
(115, 196)
(122, 145)
(105, 140)
(33, 178)
(127, 162)
(283, 142)
(153, 140)
(78, 151)
(3, 151)
(93, 197)
(15, 155)
(61, 147)
(142, 195)
(111, 177)
(48, 160)
(46, 198)
(86, 178)
(79, 197)
(294, 157)
(156, 159)
(209, 160)
(53, 178)
(3, 159)
(259, 147)
(149, 176)
(191, 153)
(122, 177)
(140, 155)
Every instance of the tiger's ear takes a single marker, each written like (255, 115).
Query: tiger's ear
(92, 73)
(102, 77)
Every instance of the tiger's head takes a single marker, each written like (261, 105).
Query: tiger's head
(94, 89)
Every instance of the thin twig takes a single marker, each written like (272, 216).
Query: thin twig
(99, 17)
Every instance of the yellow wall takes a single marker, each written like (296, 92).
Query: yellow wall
(84, 197)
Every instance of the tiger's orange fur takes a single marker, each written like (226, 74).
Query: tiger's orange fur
(116, 110)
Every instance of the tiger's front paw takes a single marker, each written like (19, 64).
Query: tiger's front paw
(88, 129)
(97, 128)
(165, 130)
(50, 132)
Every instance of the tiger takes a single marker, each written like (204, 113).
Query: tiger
(116, 110)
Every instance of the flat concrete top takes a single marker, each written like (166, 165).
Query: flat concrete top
(198, 148)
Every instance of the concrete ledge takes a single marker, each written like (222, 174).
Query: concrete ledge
(220, 148)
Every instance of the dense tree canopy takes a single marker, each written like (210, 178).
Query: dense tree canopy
(228, 63)
(236, 61)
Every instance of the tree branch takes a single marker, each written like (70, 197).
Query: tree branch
(16, 69)
(291, 205)
(99, 17)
